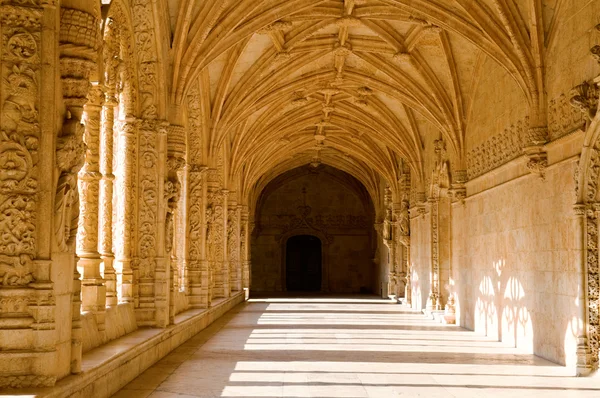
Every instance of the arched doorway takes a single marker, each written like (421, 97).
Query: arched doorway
(303, 263)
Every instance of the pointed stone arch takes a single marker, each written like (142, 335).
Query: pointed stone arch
(587, 212)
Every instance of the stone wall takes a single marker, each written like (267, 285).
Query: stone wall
(514, 263)
(337, 215)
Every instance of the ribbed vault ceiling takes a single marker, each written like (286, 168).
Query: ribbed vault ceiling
(358, 83)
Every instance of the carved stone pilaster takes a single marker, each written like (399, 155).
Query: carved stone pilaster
(233, 245)
(175, 163)
(27, 307)
(583, 250)
(196, 228)
(244, 247)
(215, 233)
(433, 302)
(153, 262)
(593, 282)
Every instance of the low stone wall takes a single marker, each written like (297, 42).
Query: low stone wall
(120, 320)
(110, 367)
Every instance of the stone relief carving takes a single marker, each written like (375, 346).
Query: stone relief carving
(233, 244)
(69, 159)
(148, 203)
(195, 216)
(214, 225)
(593, 281)
(303, 220)
(341, 221)
(19, 141)
(563, 118)
(404, 219)
(145, 45)
(584, 98)
(195, 125)
(497, 150)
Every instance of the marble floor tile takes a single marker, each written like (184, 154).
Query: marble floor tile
(348, 347)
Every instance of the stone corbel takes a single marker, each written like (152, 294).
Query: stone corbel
(584, 97)
(458, 190)
(537, 158)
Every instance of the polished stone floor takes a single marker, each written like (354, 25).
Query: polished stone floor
(348, 347)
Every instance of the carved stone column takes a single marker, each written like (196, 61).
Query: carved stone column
(583, 248)
(79, 43)
(127, 134)
(105, 239)
(176, 148)
(93, 290)
(196, 228)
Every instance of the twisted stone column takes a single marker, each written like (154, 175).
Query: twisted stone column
(93, 290)
(105, 238)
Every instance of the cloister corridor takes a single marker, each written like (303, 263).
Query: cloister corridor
(348, 346)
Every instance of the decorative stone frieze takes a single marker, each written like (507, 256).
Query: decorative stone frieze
(563, 118)
(497, 150)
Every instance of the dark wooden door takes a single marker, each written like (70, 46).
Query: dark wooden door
(303, 263)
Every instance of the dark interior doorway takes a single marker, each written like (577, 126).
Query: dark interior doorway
(303, 264)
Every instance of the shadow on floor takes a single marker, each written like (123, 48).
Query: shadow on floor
(350, 346)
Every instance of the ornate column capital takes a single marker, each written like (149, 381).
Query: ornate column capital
(96, 96)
